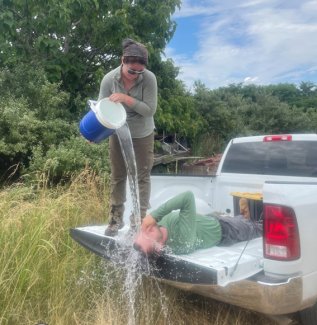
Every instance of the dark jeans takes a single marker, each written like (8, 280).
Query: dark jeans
(236, 229)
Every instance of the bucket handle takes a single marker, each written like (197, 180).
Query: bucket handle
(91, 104)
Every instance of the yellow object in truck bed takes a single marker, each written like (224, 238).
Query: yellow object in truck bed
(252, 196)
(250, 205)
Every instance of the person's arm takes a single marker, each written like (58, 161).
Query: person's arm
(185, 202)
(182, 225)
(106, 86)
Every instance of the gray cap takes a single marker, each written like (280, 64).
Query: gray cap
(132, 48)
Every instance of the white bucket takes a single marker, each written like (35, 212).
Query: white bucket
(102, 120)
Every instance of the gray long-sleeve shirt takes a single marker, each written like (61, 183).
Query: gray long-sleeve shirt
(140, 115)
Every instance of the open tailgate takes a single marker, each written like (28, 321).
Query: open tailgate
(216, 265)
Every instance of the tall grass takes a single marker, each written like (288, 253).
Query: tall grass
(40, 266)
(46, 276)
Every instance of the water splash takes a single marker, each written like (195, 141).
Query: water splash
(127, 151)
(133, 264)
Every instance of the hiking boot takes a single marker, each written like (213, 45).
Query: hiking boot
(113, 228)
(115, 220)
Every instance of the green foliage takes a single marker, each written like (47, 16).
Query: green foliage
(61, 162)
(17, 123)
(206, 145)
(304, 96)
(33, 113)
(218, 110)
(239, 110)
(176, 112)
(178, 115)
(21, 130)
(54, 54)
(45, 275)
(268, 115)
(76, 41)
(42, 97)
(288, 93)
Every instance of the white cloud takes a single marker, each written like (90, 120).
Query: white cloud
(258, 41)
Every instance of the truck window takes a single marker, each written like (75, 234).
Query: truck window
(289, 158)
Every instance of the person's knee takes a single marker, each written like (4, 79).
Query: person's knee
(144, 172)
(118, 180)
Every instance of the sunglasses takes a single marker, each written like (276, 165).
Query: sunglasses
(131, 71)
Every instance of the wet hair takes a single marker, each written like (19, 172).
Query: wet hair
(134, 50)
(137, 247)
(152, 255)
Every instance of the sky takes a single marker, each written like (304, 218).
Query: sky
(221, 42)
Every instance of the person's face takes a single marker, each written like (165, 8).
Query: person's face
(131, 71)
(150, 240)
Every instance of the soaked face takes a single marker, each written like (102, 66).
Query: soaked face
(149, 241)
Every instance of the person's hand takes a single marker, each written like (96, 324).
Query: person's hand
(118, 97)
(147, 222)
(122, 98)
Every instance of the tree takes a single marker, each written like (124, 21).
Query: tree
(176, 112)
(32, 113)
(217, 111)
(287, 93)
(267, 115)
(77, 40)
(43, 98)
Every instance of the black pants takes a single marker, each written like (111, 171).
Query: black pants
(236, 229)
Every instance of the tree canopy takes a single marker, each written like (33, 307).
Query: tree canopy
(76, 41)
(53, 55)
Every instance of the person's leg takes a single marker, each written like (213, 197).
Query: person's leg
(144, 156)
(117, 187)
(236, 229)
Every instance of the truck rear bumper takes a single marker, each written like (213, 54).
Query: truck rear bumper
(268, 298)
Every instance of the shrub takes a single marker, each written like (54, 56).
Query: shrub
(45, 99)
(21, 131)
(69, 158)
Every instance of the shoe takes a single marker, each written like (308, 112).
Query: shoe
(115, 220)
(113, 228)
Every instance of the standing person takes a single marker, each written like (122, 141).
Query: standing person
(176, 224)
(135, 87)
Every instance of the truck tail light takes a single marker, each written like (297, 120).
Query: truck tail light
(280, 233)
(278, 137)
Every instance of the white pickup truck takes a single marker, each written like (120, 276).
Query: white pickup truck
(275, 274)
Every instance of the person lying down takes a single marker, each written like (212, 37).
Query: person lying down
(177, 226)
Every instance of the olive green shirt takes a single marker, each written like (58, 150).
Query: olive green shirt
(140, 115)
(187, 230)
